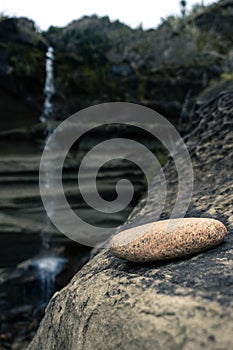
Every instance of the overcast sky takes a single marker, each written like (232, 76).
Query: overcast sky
(60, 13)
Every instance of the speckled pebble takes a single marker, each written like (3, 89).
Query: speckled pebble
(167, 239)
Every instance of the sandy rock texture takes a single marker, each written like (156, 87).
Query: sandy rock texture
(182, 304)
(167, 239)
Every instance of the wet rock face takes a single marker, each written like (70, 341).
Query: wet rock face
(184, 303)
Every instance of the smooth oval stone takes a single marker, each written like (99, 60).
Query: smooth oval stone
(167, 239)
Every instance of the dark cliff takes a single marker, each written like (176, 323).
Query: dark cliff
(100, 61)
(165, 68)
(22, 56)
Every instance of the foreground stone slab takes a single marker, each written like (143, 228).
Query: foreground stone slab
(167, 239)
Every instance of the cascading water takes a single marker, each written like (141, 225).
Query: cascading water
(47, 267)
(49, 88)
(47, 117)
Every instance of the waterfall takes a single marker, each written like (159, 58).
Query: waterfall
(48, 266)
(48, 117)
(49, 88)
(46, 269)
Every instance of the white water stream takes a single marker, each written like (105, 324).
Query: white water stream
(49, 266)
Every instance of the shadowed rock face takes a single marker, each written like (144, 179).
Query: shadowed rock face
(179, 304)
(22, 61)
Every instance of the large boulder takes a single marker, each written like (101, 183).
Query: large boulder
(180, 304)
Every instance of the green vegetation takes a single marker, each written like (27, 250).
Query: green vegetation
(226, 76)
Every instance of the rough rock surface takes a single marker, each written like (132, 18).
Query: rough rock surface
(180, 304)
